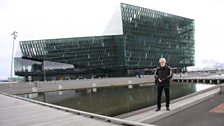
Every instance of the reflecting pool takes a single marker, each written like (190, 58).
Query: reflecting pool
(114, 100)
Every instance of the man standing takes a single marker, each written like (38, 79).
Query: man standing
(163, 74)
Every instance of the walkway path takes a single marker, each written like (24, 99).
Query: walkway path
(149, 115)
(17, 111)
(198, 115)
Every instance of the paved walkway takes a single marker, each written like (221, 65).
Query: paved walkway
(197, 115)
(148, 115)
(17, 111)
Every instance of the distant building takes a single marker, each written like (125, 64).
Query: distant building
(147, 36)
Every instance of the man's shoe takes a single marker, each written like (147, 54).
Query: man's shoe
(167, 108)
(158, 109)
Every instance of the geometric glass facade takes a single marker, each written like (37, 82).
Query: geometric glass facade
(151, 34)
(147, 36)
(93, 52)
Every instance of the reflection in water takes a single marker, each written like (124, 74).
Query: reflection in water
(200, 87)
(115, 100)
(60, 92)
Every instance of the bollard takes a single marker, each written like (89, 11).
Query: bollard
(34, 95)
(93, 84)
(218, 81)
(94, 90)
(59, 87)
(203, 81)
(34, 89)
(30, 96)
(210, 81)
(94, 87)
(60, 92)
(130, 84)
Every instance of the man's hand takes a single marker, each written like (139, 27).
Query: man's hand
(160, 80)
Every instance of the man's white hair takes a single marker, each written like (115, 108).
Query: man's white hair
(162, 59)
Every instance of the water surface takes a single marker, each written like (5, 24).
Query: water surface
(114, 100)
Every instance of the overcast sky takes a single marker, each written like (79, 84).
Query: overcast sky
(42, 19)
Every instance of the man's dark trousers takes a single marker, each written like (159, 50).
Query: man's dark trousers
(167, 95)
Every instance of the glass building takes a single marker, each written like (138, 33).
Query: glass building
(147, 36)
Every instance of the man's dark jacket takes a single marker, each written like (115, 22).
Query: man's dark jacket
(164, 74)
